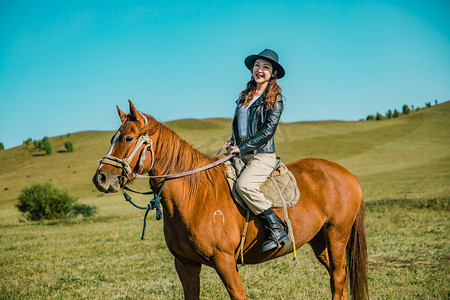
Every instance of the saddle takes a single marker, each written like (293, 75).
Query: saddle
(280, 176)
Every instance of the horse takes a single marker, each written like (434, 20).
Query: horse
(203, 224)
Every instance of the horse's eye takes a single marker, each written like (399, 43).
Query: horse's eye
(128, 139)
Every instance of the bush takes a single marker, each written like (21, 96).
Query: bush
(27, 142)
(2, 147)
(43, 145)
(45, 201)
(68, 146)
(370, 118)
(85, 210)
(396, 113)
(389, 114)
(405, 109)
(47, 147)
(379, 117)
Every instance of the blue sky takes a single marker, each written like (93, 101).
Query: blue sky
(64, 65)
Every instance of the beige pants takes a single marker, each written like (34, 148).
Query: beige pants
(257, 170)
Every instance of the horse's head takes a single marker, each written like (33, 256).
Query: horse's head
(130, 146)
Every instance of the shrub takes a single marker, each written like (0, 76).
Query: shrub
(379, 117)
(396, 113)
(43, 145)
(2, 147)
(45, 201)
(370, 117)
(47, 147)
(69, 146)
(405, 109)
(84, 209)
(27, 142)
(389, 114)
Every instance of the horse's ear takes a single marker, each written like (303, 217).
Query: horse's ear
(122, 115)
(135, 114)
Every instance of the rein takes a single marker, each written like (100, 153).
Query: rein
(154, 203)
(187, 173)
(124, 164)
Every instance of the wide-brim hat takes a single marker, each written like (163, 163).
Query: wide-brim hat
(269, 55)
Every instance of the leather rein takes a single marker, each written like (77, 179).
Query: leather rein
(124, 164)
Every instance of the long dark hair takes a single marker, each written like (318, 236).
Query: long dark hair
(273, 89)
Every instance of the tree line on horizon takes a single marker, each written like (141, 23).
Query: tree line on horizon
(395, 114)
(45, 145)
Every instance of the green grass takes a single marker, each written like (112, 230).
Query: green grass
(403, 165)
(104, 258)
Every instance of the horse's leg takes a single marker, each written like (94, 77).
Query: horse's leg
(336, 239)
(189, 274)
(225, 266)
(319, 247)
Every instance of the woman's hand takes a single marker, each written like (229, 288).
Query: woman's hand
(234, 150)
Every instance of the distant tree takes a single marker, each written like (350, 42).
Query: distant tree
(370, 118)
(379, 117)
(405, 109)
(428, 104)
(395, 114)
(69, 146)
(412, 107)
(43, 145)
(435, 102)
(47, 147)
(27, 142)
(2, 147)
(389, 114)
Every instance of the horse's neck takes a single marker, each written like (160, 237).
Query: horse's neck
(176, 155)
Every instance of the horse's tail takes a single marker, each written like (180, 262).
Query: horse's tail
(357, 258)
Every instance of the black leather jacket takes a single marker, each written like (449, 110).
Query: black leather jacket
(261, 126)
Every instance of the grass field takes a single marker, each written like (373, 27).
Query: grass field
(403, 165)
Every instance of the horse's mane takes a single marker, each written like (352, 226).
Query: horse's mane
(185, 159)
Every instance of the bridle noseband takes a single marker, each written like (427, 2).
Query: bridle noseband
(124, 163)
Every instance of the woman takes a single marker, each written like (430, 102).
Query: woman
(255, 121)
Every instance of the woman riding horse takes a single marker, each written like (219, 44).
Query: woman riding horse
(257, 115)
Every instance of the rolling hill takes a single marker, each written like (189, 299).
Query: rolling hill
(403, 158)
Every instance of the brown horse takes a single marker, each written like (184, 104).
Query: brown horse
(203, 224)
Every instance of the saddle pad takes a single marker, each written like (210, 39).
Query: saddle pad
(283, 177)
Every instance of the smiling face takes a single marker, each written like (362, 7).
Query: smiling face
(262, 71)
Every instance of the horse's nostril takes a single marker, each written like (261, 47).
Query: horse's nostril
(102, 178)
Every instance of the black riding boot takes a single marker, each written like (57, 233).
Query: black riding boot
(275, 233)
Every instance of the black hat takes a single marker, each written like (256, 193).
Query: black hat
(269, 55)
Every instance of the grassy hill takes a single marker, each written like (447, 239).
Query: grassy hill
(406, 158)
(403, 158)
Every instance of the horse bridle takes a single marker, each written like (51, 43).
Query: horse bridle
(124, 163)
